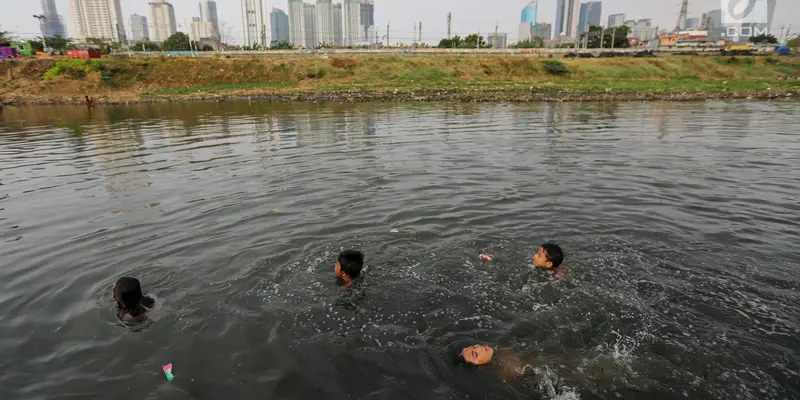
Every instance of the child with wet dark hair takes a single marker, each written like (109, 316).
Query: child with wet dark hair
(348, 266)
(549, 257)
(132, 305)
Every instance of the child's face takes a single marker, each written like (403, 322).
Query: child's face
(477, 354)
(540, 259)
(339, 272)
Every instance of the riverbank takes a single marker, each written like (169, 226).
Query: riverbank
(397, 78)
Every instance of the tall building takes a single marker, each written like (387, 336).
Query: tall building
(279, 25)
(63, 26)
(642, 29)
(324, 20)
(368, 21)
(568, 14)
(542, 30)
(619, 20)
(255, 21)
(208, 13)
(100, 19)
(499, 41)
(310, 14)
(590, 15)
(50, 26)
(527, 21)
(162, 16)
(338, 40)
(297, 23)
(139, 30)
(351, 22)
(202, 31)
(692, 23)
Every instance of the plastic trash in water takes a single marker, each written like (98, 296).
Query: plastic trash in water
(168, 372)
(486, 257)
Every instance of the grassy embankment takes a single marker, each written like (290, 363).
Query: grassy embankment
(131, 80)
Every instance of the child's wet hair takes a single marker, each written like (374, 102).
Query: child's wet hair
(351, 262)
(553, 253)
(128, 294)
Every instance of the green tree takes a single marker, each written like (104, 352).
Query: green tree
(794, 43)
(36, 45)
(282, 45)
(474, 41)
(596, 34)
(104, 45)
(532, 43)
(146, 45)
(451, 43)
(59, 44)
(765, 39)
(177, 42)
(206, 48)
(4, 37)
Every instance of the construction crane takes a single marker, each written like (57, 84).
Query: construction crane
(682, 16)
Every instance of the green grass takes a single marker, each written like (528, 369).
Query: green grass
(220, 88)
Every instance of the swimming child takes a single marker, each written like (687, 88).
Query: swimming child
(132, 305)
(348, 267)
(509, 364)
(550, 257)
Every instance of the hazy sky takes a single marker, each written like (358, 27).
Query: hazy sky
(469, 16)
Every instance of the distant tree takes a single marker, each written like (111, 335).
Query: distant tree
(451, 43)
(794, 43)
(146, 45)
(323, 45)
(59, 44)
(474, 41)
(4, 37)
(104, 45)
(532, 43)
(36, 45)
(596, 34)
(282, 45)
(206, 48)
(765, 39)
(177, 42)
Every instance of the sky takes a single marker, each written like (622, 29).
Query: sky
(469, 16)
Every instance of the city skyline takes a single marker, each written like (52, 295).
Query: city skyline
(401, 15)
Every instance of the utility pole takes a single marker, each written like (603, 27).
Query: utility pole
(613, 37)
(494, 41)
(387, 34)
(449, 22)
(415, 34)
(681, 24)
(602, 37)
(478, 41)
(41, 19)
(420, 32)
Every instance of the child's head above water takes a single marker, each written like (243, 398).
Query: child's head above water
(349, 264)
(474, 355)
(127, 292)
(549, 256)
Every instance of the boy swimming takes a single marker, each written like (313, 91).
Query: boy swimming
(549, 257)
(348, 266)
(132, 305)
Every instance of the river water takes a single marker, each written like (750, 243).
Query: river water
(679, 221)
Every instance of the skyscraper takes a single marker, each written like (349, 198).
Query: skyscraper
(162, 15)
(692, 23)
(338, 41)
(297, 23)
(527, 21)
(324, 11)
(567, 17)
(279, 25)
(255, 21)
(619, 20)
(542, 30)
(590, 15)
(51, 26)
(310, 14)
(100, 19)
(208, 13)
(368, 20)
(139, 30)
(351, 21)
